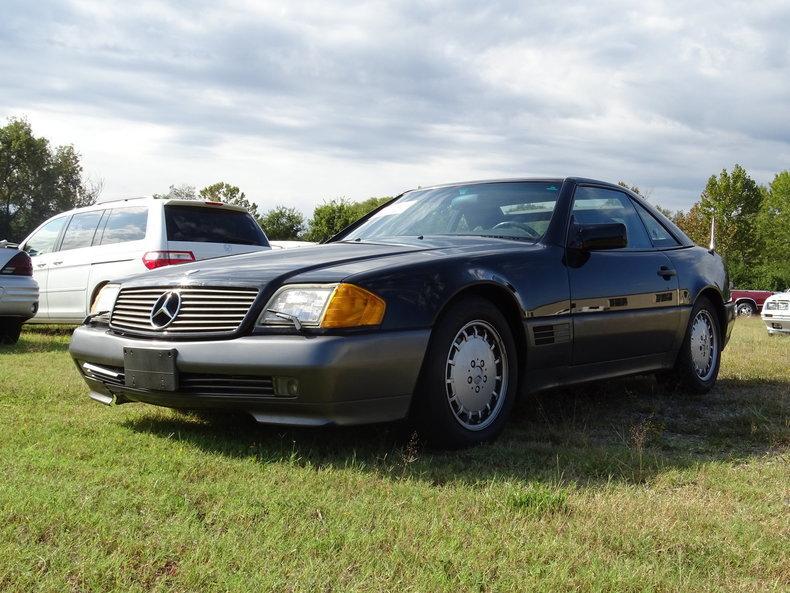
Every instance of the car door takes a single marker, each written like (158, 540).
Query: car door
(70, 270)
(41, 246)
(624, 301)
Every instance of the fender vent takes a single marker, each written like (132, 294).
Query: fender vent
(618, 302)
(663, 297)
(544, 335)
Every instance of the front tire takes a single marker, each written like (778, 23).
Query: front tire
(697, 365)
(469, 378)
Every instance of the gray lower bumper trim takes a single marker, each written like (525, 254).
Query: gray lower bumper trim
(355, 379)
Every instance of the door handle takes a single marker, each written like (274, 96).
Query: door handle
(41, 265)
(57, 263)
(666, 272)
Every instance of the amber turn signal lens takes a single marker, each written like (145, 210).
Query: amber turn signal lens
(352, 306)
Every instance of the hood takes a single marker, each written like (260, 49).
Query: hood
(264, 267)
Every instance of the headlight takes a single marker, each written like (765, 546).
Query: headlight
(105, 300)
(326, 306)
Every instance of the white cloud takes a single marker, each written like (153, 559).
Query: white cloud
(300, 101)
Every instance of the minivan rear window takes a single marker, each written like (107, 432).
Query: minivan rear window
(212, 225)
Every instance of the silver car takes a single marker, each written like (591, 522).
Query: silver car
(18, 292)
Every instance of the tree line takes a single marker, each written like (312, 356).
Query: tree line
(282, 222)
(752, 221)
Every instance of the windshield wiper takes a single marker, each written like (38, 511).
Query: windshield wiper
(506, 237)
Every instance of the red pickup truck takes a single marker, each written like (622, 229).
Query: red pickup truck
(749, 302)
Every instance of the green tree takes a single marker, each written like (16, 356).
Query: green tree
(36, 181)
(329, 219)
(230, 194)
(733, 199)
(333, 216)
(694, 223)
(365, 206)
(282, 223)
(773, 230)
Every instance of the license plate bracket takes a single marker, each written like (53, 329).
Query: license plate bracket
(150, 368)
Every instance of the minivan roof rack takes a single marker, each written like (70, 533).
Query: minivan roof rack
(101, 200)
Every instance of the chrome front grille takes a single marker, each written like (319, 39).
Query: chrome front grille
(203, 309)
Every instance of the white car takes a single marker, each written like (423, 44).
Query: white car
(76, 253)
(776, 313)
(18, 292)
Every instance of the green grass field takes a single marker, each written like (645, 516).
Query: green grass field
(613, 487)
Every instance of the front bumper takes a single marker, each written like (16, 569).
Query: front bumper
(18, 296)
(342, 380)
(777, 322)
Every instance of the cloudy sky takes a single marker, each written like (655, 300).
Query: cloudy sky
(296, 102)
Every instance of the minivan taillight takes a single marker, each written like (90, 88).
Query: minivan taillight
(160, 259)
(19, 265)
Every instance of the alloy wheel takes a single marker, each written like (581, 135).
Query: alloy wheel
(476, 375)
(704, 345)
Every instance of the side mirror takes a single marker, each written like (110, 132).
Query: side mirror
(596, 237)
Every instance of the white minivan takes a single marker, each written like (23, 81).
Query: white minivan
(76, 253)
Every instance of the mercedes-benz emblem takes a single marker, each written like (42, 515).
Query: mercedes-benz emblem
(165, 310)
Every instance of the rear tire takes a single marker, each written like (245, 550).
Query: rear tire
(10, 328)
(745, 309)
(468, 383)
(697, 365)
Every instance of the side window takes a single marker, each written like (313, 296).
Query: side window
(125, 224)
(81, 229)
(658, 234)
(43, 241)
(595, 205)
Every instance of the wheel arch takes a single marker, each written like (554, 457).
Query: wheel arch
(508, 303)
(714, 296)
(746, 300)
(95, 292)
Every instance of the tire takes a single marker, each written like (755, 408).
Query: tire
(468, 382)
(10, 328)
(697, 365)
(745, 309)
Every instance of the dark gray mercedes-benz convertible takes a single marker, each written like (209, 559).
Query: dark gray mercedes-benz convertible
(440, 307)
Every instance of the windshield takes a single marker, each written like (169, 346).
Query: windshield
(512, 210)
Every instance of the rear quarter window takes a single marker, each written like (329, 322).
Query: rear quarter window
(212, 225)
(660, 236)
(81, 230)
(125, 224)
